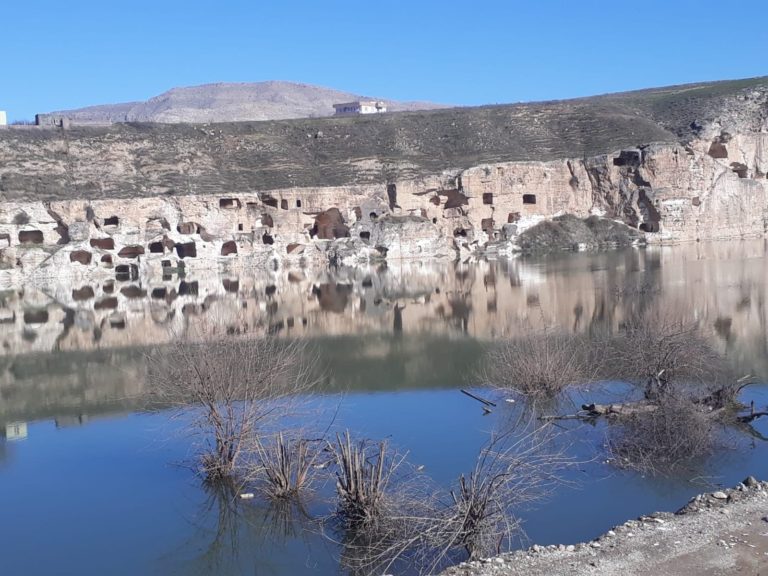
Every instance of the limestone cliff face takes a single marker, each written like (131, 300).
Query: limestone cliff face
(66, 212)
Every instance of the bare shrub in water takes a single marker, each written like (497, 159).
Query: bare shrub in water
(678, 432)
(230, 386)
(283, 467)
(659, 348)
(426, 528)
(541, 364)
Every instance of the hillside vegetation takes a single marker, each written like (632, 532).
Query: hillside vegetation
(134, 159)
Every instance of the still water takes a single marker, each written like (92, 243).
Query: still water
(91, 483)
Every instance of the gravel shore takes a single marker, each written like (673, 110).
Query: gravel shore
(718, 533)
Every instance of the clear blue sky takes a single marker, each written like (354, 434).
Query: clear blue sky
(72, 53)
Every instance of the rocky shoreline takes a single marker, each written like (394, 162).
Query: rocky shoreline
(716, 533)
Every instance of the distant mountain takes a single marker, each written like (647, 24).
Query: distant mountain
(229, 102)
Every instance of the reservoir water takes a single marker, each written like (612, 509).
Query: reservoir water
(91, 482)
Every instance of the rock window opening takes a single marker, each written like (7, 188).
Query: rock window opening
(188, 250)
(529, 198)
(156, 247)
(229, 203)
(284, 204)
(298, 203)
(112, 221)
(488, 198)
(31, 237)
(267, 239)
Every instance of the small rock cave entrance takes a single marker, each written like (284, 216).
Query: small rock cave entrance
(488, 198)
(156, 248)
(103, 243)
(392, 196)
(186, 250)
(126, 272)
(31, 237)
(268, 200)
(373, 216)
(132, 292)
(365, 236)
(454, 198)
(696, 201)
(298, 203)
(82, 294)
(232, 286)
(631, 158)
(460, 233)
(329, 225)
(529, 198)
(35, 316)
(283, 204)
(188, 288)
(266, 220)
(159, 293)
(718, 150)
(229, 203)
(267, 238)
(133, 251)
(108, 303)
(513, 217)
(487, 225)
(741, 170)
(187, 228)
(106, 259)
(228, 248)
(112, 221)
(82, 256)
(649, 226)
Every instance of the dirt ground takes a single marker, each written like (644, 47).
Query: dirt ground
(716, 534)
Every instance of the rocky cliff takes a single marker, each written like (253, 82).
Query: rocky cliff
(679, 163)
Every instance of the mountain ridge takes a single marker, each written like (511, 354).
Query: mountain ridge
(232, 102)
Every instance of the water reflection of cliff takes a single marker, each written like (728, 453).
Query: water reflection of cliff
(97, 330)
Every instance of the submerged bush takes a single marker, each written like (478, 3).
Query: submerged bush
(540, 365)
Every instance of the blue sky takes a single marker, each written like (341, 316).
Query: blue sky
(72, 53)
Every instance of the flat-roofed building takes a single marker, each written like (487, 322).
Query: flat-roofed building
(359, 107)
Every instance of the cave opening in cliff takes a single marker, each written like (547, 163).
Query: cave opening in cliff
(267, 239)
(133, 292)
(188, 288)
(31, 237)
(268, 200)
(81, 256)
(298, 203)
(133, 251)
(108, 303)
(365, 236)
(187, 228)
(240, 227)
(156, 248)
(82, 294)
(266, 220)
(283, 204)
(125, 272)
(106, 259)
(392, 196)
(718, 150)
(649, 226)
(231, 286)
(103, 243)
(112, 221)
(228, 248)
(229, 203)
(529, 198)
(35, 316)
(187, 250)
(159, 293)
(460, 232)
(488, 198)
(487, 225)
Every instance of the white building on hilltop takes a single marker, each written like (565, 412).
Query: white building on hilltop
(3, 118)
(359, 107)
